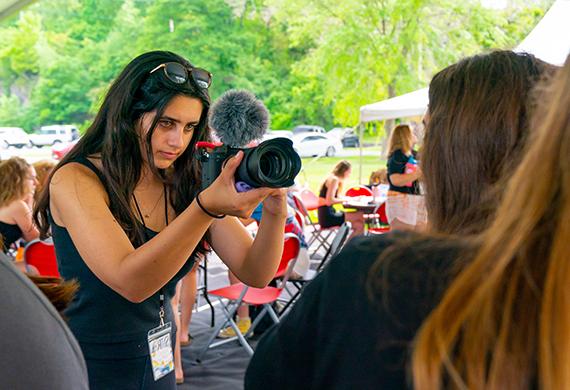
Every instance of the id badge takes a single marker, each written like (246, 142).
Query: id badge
(160, 347)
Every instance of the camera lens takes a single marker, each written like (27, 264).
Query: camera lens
(274, 163)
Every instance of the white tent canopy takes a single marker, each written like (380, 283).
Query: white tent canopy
(549, 41)
(409, 104)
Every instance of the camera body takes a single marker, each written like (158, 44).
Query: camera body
(273, 163)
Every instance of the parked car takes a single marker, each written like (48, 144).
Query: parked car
(270, 134)
(346, 135)
(308, 129)
(53, 134)
(59, 149)
(311, 144)
(13, 136)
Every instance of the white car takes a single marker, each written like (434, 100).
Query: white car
(315, 144)
(50, 135)
(270, 134)
(13, 136)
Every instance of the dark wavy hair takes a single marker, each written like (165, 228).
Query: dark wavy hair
(113, 135)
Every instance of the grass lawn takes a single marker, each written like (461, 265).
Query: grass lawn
(315, 170)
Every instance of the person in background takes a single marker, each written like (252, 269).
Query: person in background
(329, 195)
(182, 306)
(378, 177)
(380, 289)
(378, 183)
(403, 173)
(17, 187)
(243, 319)
(128, 229)
(43, 169)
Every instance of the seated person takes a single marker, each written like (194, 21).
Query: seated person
(378, 182)
(329, 195)
(17, 188)
(301, 267)
(357, 322)
(43, 169)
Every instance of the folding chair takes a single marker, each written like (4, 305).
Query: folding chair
(239, 293)
(309, 198)
(318, 234)
(41, 254)
(335, 247)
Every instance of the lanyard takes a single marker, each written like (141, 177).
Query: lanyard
(161, 296)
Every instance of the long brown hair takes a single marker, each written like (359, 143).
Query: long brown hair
(401, 138)
(13, 175)
(478, 122)
(58, 291)
(504, 321)
(43, 169)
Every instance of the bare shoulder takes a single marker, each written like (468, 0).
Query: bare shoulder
(76, 192)
(18, 207)
(76, 178)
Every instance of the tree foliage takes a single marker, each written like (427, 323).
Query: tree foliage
(310, 61)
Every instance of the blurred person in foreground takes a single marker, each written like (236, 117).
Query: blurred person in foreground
(361, 315)
(38, 349)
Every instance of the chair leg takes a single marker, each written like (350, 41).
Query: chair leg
(256, 321)
(272, 313)
(323, 244)
(221, 324)
(288, 304)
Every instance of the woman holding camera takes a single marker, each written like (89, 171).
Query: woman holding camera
(128, 219)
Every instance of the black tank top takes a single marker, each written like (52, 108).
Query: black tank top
(9, 234)
(106, 324)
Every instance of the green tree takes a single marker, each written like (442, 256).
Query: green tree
(364, 51)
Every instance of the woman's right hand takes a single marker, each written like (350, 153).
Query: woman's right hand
(221, 196)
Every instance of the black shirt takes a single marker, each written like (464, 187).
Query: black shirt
(105, 323)
(397, 164)
(9, 234)
(336, 338)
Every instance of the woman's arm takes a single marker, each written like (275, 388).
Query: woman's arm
(79, 202)
(400, 179)
(254, 262)
(397, 169)
(23, 217)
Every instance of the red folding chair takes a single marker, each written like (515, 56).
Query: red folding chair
(239, 293)
(309, 198)
(41, 254)
(358, 191)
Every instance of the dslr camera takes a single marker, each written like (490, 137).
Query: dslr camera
(273, 163)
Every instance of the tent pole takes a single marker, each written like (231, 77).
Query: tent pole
(360, 137)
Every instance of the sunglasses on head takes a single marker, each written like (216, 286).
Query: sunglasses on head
(178, 74)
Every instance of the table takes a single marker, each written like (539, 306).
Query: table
(366, 204)
(358, 211)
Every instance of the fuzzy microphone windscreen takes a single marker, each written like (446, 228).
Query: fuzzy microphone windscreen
(238, 118)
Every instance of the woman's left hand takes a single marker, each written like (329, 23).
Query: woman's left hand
(276, 203)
